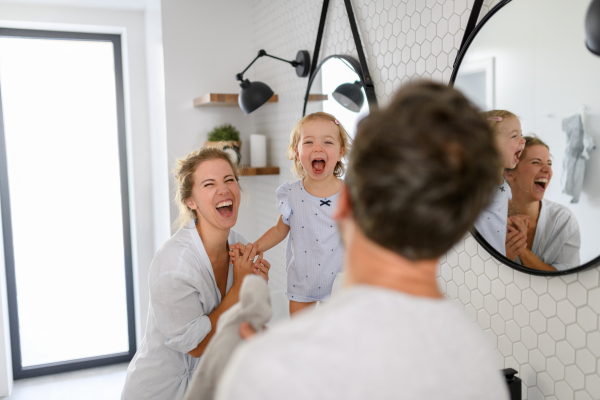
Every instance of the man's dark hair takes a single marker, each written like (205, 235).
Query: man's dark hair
(421, 170)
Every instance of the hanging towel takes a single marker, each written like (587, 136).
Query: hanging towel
(254, 307)
(579, 145)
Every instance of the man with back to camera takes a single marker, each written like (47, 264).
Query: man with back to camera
(420, 172)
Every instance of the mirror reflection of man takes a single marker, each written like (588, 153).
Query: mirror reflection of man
(420, 172)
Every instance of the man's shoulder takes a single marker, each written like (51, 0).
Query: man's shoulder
(365, 338)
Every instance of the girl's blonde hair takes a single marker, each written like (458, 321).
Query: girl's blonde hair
(345, 142)
(184, 179)
(495, 116)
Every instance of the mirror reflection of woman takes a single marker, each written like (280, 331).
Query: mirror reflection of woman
(541, 234)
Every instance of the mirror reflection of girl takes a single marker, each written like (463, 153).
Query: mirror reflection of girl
(552, 238)
(318, 144)
(491, 223)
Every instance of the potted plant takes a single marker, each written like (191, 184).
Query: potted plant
(228, 138)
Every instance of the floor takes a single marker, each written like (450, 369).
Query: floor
(104, 383)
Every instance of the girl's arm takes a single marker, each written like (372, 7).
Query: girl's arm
(273, 236)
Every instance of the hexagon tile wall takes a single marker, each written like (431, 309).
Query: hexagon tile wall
(546, 328)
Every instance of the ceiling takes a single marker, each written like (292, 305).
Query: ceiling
(110, 4)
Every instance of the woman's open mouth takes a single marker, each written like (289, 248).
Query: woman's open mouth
(541, 183)
(318, 166)
(225, 208)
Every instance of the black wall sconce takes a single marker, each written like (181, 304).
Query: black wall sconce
(592, 27)
(255, 94)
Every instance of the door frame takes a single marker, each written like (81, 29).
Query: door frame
(20, 372)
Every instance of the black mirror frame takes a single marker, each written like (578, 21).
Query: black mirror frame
(360, 67)
(493, 252)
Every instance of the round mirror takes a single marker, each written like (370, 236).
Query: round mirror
(529, 57)
(337, 88)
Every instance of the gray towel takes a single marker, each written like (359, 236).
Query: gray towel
(254, 307)
(579, 144)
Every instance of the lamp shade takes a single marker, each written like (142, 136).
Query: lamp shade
(253, 95)
(592, 27)
(350, 96)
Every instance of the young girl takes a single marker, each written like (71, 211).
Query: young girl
(491, 223)
(318, 143)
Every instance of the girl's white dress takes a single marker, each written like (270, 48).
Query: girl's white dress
(314, 251)
(491, 223)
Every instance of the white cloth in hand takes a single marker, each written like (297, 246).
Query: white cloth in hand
(254, 307)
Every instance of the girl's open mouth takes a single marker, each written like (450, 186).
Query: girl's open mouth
(541, 183)
(225, 208)
(517, 156)
(318, 166)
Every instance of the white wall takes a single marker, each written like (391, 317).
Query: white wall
(131, 24)
(546, 328)
(206, 43)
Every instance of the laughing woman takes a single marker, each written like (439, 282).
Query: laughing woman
(192, 281)
(541, 234)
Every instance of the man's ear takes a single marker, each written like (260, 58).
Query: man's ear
(344, 205)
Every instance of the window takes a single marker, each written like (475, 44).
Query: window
(65, 207)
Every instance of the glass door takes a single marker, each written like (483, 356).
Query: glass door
(64, 201)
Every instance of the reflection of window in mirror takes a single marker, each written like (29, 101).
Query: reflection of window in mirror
(476, 81)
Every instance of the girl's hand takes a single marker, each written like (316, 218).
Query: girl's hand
(516, 242)
(244, 262)
(520, 222)
(261, 267)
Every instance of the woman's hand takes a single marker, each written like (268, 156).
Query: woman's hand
(243, 262)
(262, 266)
(241, 247)
(516, 242)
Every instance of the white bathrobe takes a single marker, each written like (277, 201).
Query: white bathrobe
(183, 291)
(557, 238)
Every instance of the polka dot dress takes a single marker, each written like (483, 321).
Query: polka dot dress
(314, 251)
(491, 223)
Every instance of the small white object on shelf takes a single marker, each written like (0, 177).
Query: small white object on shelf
(258, 151)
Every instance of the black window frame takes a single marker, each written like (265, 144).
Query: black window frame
(20, 372)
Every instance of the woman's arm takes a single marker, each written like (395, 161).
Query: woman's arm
(242, 266)
(530, 260)
(229, 300)
(273, 236)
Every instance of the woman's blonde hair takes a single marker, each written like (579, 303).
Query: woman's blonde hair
(184, 179)
(345, 142)
(533, 140)
(495, 116)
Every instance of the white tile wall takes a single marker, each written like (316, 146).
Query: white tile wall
(546, 328)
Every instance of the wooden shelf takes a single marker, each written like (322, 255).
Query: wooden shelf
(223, 99)
(249, 171)
(317, 97)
